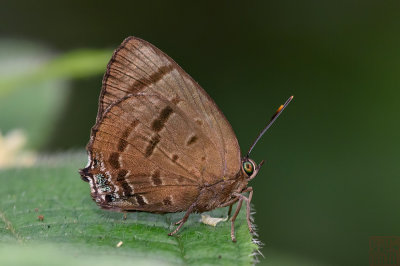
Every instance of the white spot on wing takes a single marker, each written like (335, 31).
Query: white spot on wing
(133, 189)
(91, 185)
(89, 161)
(144, 199)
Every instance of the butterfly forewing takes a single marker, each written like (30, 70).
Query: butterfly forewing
(157, 132)
(138, 66)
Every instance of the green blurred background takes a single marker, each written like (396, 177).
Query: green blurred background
(331, 178)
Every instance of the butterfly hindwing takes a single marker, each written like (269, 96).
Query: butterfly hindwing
(147, 145)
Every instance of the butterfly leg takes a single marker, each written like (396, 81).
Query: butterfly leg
(230, 211)
(183, 220)
(179, 222)
(234, 218)
(248, 207)
(230, 204)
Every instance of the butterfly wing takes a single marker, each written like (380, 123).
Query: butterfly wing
(138, 66)
(158, 134)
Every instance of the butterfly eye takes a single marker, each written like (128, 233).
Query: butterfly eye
(248, 168)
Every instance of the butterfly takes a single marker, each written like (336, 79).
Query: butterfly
(160, 144)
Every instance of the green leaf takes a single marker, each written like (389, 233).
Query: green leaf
(75, 64)
(34, 87)
(75, 230)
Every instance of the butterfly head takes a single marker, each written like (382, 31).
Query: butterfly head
(250, 168)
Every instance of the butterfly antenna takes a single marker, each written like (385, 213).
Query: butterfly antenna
(273, 118)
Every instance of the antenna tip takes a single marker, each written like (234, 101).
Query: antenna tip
(291, 97)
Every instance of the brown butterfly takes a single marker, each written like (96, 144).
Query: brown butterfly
(160, 143)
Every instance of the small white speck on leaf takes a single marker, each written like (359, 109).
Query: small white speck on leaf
(119, 244)
(207, 219)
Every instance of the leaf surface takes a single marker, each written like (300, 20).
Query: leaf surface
(75, 230)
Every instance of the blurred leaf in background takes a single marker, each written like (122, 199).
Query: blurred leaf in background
(34, 85)
(28, 102)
